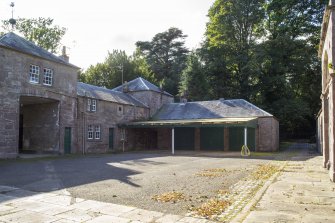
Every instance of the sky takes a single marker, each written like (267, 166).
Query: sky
(96, 27)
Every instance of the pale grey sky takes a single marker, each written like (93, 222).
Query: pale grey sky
(96, 27)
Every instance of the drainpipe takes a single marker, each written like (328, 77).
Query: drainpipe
(245, 136)
(172, 141)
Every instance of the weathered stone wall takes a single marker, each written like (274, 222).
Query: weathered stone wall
(107, 116)
(268, 134)
(14, 83)
(41, 127)
(319, 136)
(152, 99)
(327, 56)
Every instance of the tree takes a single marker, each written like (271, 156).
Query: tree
(231, 34)
(41, 31)
(289, 84)
(109, 73)
(194, 84)
(166, 56)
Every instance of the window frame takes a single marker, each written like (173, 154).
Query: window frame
(90, 132)
(48, 76)
(34, 74)
(97, 132)
(94, 105)
(89, 102)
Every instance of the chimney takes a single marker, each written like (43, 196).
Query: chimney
(64, 56)
(125, 87)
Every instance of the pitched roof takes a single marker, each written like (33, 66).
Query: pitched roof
(91, 91)
(140, 84)
(209, 110)
(15, 42)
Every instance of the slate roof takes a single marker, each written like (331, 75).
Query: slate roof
(209, 110)
(140, 84)
(15, 42)
(91, 91)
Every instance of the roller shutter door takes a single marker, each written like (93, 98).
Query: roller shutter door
(212, 138)
(184, 138)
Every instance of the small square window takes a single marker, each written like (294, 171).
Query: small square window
(48, 76)
(34, 74)
(91, 105)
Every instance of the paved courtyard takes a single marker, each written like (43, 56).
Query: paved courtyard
(119, 188)
(132, 178)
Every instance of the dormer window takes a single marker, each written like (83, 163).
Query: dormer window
(34, 74)
(48, 76)
(91, 105)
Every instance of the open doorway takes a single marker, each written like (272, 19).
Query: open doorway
(39, 125)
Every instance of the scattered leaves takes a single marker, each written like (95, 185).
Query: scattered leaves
(218, 172)
(211, 208)
(169, 197)
(264, 172)
(222, 192)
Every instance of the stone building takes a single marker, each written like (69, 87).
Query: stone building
(326, 133)
(38, 98)
(221, 125)
(43, 109)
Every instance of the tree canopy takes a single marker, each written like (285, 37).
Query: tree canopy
(41, 31)
(166, 56)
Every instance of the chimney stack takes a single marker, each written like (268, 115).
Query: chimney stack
(64, 56)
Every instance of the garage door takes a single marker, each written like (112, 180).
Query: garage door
(184, 138)
(236, 138)
(211, 138)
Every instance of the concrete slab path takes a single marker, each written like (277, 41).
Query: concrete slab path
(18, 205)
(301, 193)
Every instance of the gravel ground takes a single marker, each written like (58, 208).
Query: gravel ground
(132, 178)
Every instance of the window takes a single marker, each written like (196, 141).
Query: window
(34, 74)
(97, 132)
(94, 105)
(89, 102)
(93, 132)
(90, 132)
(91, 105)
(48, 75)
(120, 110)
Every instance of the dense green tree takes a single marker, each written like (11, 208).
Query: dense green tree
(194, 84)
(231, 34)
(41, 31)
(289, 84)
(166, 56)
(109, 73)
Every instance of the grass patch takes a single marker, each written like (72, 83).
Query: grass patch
(218, 172)
(172, 196)
(211, 208)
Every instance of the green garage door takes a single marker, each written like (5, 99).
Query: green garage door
(184, 138)
(236, 138)
(211, 138)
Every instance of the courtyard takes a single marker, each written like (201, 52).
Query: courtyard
(134, 178)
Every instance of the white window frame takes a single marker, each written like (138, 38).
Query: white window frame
(34, 74)
(90, 132)
(48, 76)
(94, 105)
(97, 132)
(89, 102)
